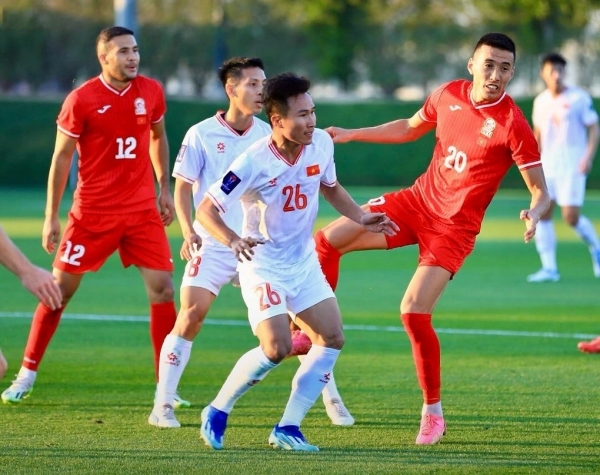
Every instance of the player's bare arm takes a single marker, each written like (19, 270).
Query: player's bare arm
(540, 200)
(208, 216)
(64, 147)
(159, 154)
(339, 198)
(590, 153)
(183, 207)
(397, 131)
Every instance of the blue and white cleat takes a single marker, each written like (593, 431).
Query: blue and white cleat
(212, 427)
(290, 438)
(21, 388)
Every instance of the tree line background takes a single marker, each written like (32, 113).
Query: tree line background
(48, 45)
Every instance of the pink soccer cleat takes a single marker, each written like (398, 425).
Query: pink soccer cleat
(301, 344)
(590, 346)
(432, 430)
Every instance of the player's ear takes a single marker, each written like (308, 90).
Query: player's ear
(470, 66)
(230, 90)
(276, 120)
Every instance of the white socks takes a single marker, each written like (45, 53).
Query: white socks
(545, 243)
(174, 357)
(330, 391)
(311, 378)
(435, 409)
(250, 369)
(25, 373)
(585, 229)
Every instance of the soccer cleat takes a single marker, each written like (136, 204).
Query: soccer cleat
(212, 427)
(301, 343)
(290, 438)
(180, 403)
(337, 412)
(596, 261)
(432, 429)
(164, 417)
(590, 346)
(544, 275)
(21, 388)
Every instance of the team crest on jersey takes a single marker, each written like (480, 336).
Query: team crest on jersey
(181, 153)
(230, 181)
(140, 106)
(220, 147)
(488, 127)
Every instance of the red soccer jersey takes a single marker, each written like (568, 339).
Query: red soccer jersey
(112, 129)
(475, 146)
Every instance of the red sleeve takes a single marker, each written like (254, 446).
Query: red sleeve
(524, 147)
(429, 110)
(161, 104)
(70, 119)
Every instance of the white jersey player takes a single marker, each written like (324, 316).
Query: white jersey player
(565, 125)
(278, 182)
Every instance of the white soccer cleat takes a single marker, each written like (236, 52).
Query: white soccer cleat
(21, 388)
(544, 275)
(181, 403)
(290, 438)
(164, 417)
(337, 412)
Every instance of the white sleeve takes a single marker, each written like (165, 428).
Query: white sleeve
(191, 158)
(589, 115)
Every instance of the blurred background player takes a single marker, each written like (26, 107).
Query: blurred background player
(207, 150)
(36, 280)
(565, 124)
(278, 180)
(590, 346)
(480, 134)
(116, 122)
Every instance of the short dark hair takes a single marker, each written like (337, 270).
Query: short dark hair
(553, 58)
(109, 33)
(232, 68)
(497, 40)
(279, 89)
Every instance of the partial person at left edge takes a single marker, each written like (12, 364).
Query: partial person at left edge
(116, 123)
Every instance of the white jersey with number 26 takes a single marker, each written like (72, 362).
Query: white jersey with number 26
(282, 195)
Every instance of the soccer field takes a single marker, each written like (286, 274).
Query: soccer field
(518, 397)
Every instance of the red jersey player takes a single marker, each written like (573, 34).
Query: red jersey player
(480, 133)
(116, 122)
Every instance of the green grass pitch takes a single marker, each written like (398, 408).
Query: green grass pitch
(518, 397)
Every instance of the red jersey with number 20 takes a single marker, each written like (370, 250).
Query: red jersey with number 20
(112, 129)
(475, 146)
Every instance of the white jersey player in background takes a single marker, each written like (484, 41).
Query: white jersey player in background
(565, 125)
(278, 181)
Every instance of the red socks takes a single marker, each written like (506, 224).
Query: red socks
(44, 324)
(426, 354)
(329, 258)
(162, 321)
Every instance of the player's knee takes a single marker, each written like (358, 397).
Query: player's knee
(571, 219)
(333, 340)
(189, 322)
(277, 350)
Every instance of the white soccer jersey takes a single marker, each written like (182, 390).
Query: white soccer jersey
(563, 122)
(287, 195)
(207, 151)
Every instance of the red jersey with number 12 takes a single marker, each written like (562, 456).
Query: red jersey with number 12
(475, 146)
(112, 129)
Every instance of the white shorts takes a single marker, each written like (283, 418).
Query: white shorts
(210, 268)
(567, 190)
(268, 293)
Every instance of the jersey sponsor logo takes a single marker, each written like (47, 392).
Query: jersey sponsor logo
(455, 107)
(230, 181)
(220, 147)
(313, 170)
(488, 127)
(140, 106)
(181, 153)
(104, 109)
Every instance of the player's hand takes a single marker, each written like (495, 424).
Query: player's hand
(379, 223)
(531, 219)
(338, 134)
(585, 166)
(166, 207)
(50, 234)
(41, 283)
(242, 247)
(191, 244)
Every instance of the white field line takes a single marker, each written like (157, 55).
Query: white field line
(372, 328)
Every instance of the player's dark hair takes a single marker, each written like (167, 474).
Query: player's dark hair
(497, 40)
(553, 58)
(109, 33)
(279, 89)
(232, 68)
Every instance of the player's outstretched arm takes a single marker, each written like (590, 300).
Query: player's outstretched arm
(397, 131)
(540, 200)
(339, 198)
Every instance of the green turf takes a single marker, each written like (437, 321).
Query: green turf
(518, 396)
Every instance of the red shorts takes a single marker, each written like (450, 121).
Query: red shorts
(90, 238)
(440, 244)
